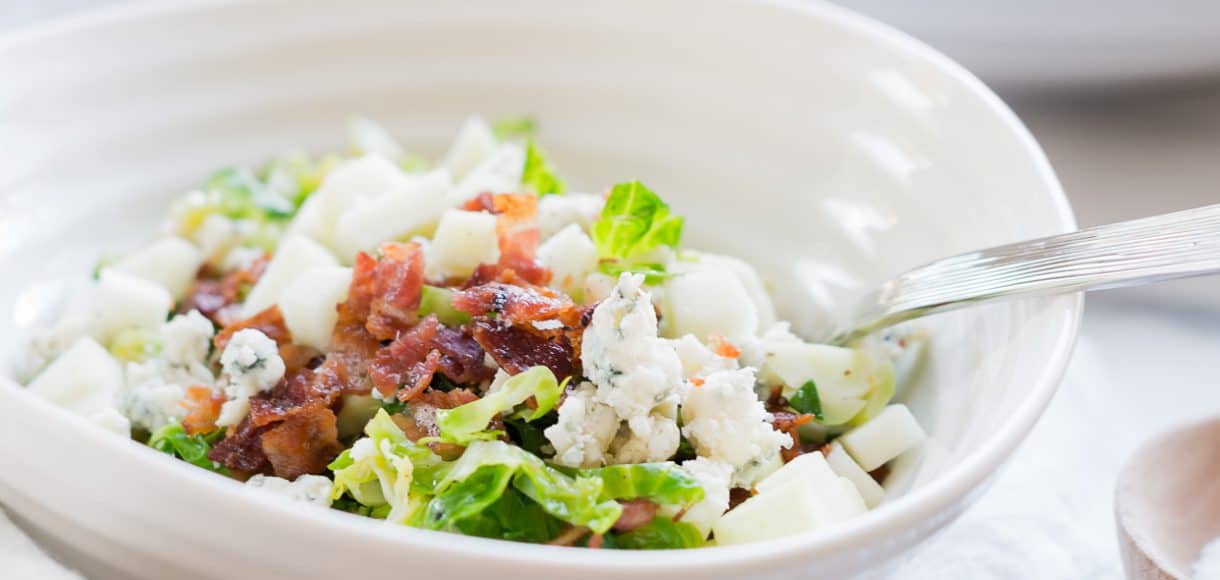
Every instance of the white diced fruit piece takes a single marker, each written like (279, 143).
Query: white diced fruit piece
(124, 301)
(294, 255)
(556, 212)
(365, 136)
(85, 379)
(170, 262)
(499, 173)
(474, 143)
(891, 433)
(571, 256)
(347, 185)
(463, 240)
(810, 468)
(309, 304)
(745, 273)
(708, 302)
(788, 509)
(408, 209)
(846, 467)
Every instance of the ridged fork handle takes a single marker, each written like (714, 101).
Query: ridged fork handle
(1175, 245)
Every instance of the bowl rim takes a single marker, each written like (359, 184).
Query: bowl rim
(930, 502)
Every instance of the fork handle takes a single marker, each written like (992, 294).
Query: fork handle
(1174, 245)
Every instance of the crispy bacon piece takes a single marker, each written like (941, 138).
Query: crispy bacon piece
(270, 322)
(637, 513)
(203, 408)
(517, 304)
(406, 360)
(298, 356)
(461, 356)
(303, 443)
(290, 429)
(483, 202)
(215, 296)
(398, 283)
(417, 354)
(516, 349)
(788, 423)
(519, 237)
(242, 449)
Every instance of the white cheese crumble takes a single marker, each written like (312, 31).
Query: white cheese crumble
(251, 364)
(725, 421)
(156, 387)
(699, 360)
(627, 414)
(584, 430)
(634, 371)
(645, 439)
(314, 489)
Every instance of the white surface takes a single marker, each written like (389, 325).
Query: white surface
(21, 558)
(880, 156)
(1054, 45)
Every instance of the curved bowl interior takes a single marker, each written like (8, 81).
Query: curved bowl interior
(815, 143)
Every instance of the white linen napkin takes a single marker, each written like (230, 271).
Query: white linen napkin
(20, 557)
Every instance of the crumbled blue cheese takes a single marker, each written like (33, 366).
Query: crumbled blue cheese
(584, 430)
(314, 489)
(627, 413)
(697, 359)
(645, 439)
(725, 421)
(251, 364)
(154, 389)
(633, 369)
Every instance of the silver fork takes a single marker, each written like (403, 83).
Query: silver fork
(1175, 245)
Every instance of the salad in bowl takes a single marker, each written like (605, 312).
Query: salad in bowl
(465, 346)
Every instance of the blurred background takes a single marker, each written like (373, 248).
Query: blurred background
(1124, 96)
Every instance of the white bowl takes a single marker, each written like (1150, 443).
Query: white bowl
(794, 134)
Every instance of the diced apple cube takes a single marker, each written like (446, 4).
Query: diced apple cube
(408, 209)
(295, 254)
(891, 433)
(309, 304)
(746, 274)
(123, 301)
(784, 510)
(870, 491)
(170, 262)
(498, 173)
(474, 143)
(463, 240)
(571, 256)
(708, 302)
(85, 379)
(347, 185)
(810, 468)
